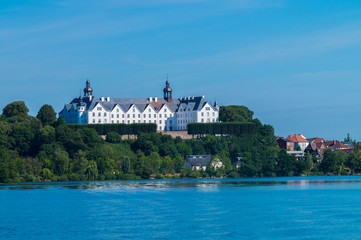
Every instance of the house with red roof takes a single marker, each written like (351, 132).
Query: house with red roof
(299, 141)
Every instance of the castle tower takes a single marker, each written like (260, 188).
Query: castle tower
(88, 91)
(167, 92)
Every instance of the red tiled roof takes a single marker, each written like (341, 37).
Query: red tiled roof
(318, 140)
(297, 138)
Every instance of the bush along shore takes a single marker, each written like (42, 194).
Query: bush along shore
(44, 148)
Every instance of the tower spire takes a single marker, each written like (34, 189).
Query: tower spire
(88, 91)
(167, 91)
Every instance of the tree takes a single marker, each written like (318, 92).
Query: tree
(126, 165)
(61, 162)
(46, 135)
(328, 163)
(114, 137)
(234, 113)
(17, 108)
(91, 171)
(47, 115)
(80, 162)
(46, 174)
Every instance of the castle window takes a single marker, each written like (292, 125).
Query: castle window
(149, 110)
(133, 109)
(105, 114)
(117, 109)
(202, 120)
(150, 115)
(160, 121)
(133, 115)
(144, 115)
(93, 120)
(99, 121)
(93, 114)
(122, 115)
(99, 114)
(99, 108)
(112, 121)
(202, 114)
(213, 114)
(139, 115)
(112, 115)
(160, 115)
(155, 115)
(208, 108)
(165, 110)
(122, 121)
(208, 114)
(105, 120)
(128, 115)
(133, 121)
(117, 121)
(165, 115)
(128, 121)
(117, 115)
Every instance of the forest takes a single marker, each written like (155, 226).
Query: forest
(45, 148)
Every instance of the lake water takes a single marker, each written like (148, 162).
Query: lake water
(262, 208)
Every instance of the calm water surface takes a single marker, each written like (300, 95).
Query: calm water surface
(268, 208)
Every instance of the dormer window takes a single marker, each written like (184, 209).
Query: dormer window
(99, 108)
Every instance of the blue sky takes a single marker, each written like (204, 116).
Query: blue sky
(295, 63)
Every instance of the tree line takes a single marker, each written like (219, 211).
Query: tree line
(45, 148)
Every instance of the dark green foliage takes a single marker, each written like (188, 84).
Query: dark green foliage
(122, 129)
(235, 113)
(15, 109)
(47, 115)
(47, 150)
(224, 128)
(114, 137)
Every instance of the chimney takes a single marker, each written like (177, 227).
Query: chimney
(155, 99)
(108, 99)
(150, 99)
(102, 99)
(90, 97)
(192, 97)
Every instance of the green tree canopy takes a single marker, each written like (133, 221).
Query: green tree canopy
(235, 113)
(17, 108)
(47, 115)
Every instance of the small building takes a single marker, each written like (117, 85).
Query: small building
(197, 162)
(238, 162)
(299, 141)
(300, 155)
(285, 143)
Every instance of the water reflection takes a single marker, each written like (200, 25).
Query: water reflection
(203, 183)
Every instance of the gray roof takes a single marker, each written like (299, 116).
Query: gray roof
(197, 160)
(196, 103)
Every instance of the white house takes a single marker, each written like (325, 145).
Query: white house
(168, 113)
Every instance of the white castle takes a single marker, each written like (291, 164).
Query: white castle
(168, 113)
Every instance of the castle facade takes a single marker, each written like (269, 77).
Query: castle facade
(170, 114)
